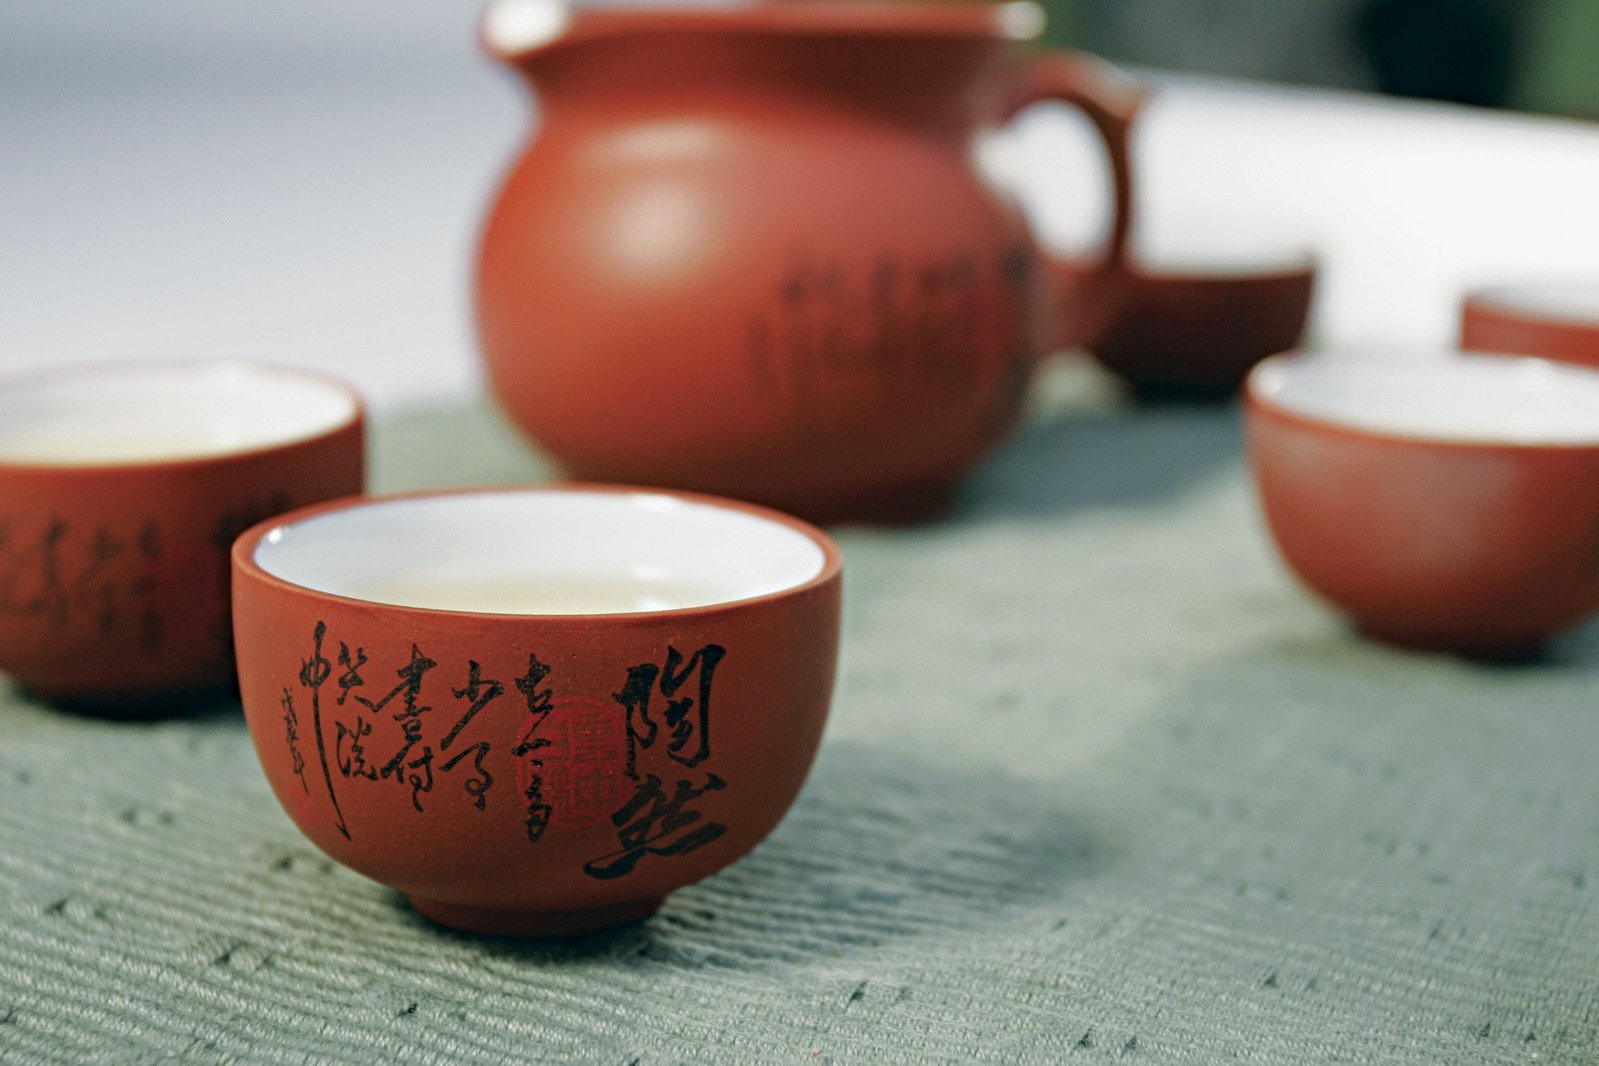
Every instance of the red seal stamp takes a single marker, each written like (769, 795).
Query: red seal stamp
(572, 770)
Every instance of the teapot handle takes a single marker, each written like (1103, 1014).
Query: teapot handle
(1083, 302)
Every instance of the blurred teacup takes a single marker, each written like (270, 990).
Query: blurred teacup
(1197, 310)
(1448, 502)
(122, 487)
(1555, 321)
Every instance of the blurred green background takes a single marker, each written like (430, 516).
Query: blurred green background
(1534, 55)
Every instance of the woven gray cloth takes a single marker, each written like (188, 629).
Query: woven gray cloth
(1100, 783)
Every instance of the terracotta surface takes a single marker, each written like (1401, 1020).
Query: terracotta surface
(114, 578)
(747, 250)
(1488, 326)
(1483, 549)
(569, 800)
(1195, 334)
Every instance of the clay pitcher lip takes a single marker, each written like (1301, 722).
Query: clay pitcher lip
(515, 31)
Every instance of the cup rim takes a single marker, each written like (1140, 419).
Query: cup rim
(244, 547)
(1292, 263)
(42, 375)
(1505, 301)
(1303, 266)
(1193, 274)
(1189, 260)
(1257, 401)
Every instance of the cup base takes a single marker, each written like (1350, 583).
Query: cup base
(186, 702)
(1157, 393)
(1509, 650)
(546, 924)
(902, 504)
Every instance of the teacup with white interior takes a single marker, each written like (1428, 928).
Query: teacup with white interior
(1201, 304)
(1444, 500)
(121, 489)
(536, 710)
(1556, 321)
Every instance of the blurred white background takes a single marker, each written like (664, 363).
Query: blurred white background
(303, 182)
(298, 181)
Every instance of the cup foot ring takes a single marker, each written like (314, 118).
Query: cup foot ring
(546, 924)
(1508, 650)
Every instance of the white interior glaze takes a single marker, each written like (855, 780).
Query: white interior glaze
(1563, 302)
(157, 411)
(542, 552)
(1442, 396)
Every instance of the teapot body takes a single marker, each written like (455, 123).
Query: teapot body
(777, 276)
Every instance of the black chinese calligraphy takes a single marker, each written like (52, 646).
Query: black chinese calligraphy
(540, 703)
(350, 663)
(657, 819)
(898, 320)
(579, 762)
(62, 575)
(388, 739)
(291, 729)
(687, 719)
(416, 772)
(314, 673)
(653, 822)
(480, 692)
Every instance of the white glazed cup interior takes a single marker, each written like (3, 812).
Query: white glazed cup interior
(164, 411)
(1572, 303)
(1439, 396)
(543, 552)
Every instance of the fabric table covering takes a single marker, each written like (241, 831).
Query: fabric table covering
(1100, 783)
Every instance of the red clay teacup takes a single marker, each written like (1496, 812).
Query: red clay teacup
(1447, 502)
(1196, 315)
(1553, 321)
(536, 711)
(122, 487)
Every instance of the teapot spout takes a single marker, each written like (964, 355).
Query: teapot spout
(513, 31)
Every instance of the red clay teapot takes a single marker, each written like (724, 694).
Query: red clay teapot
(749, 251)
